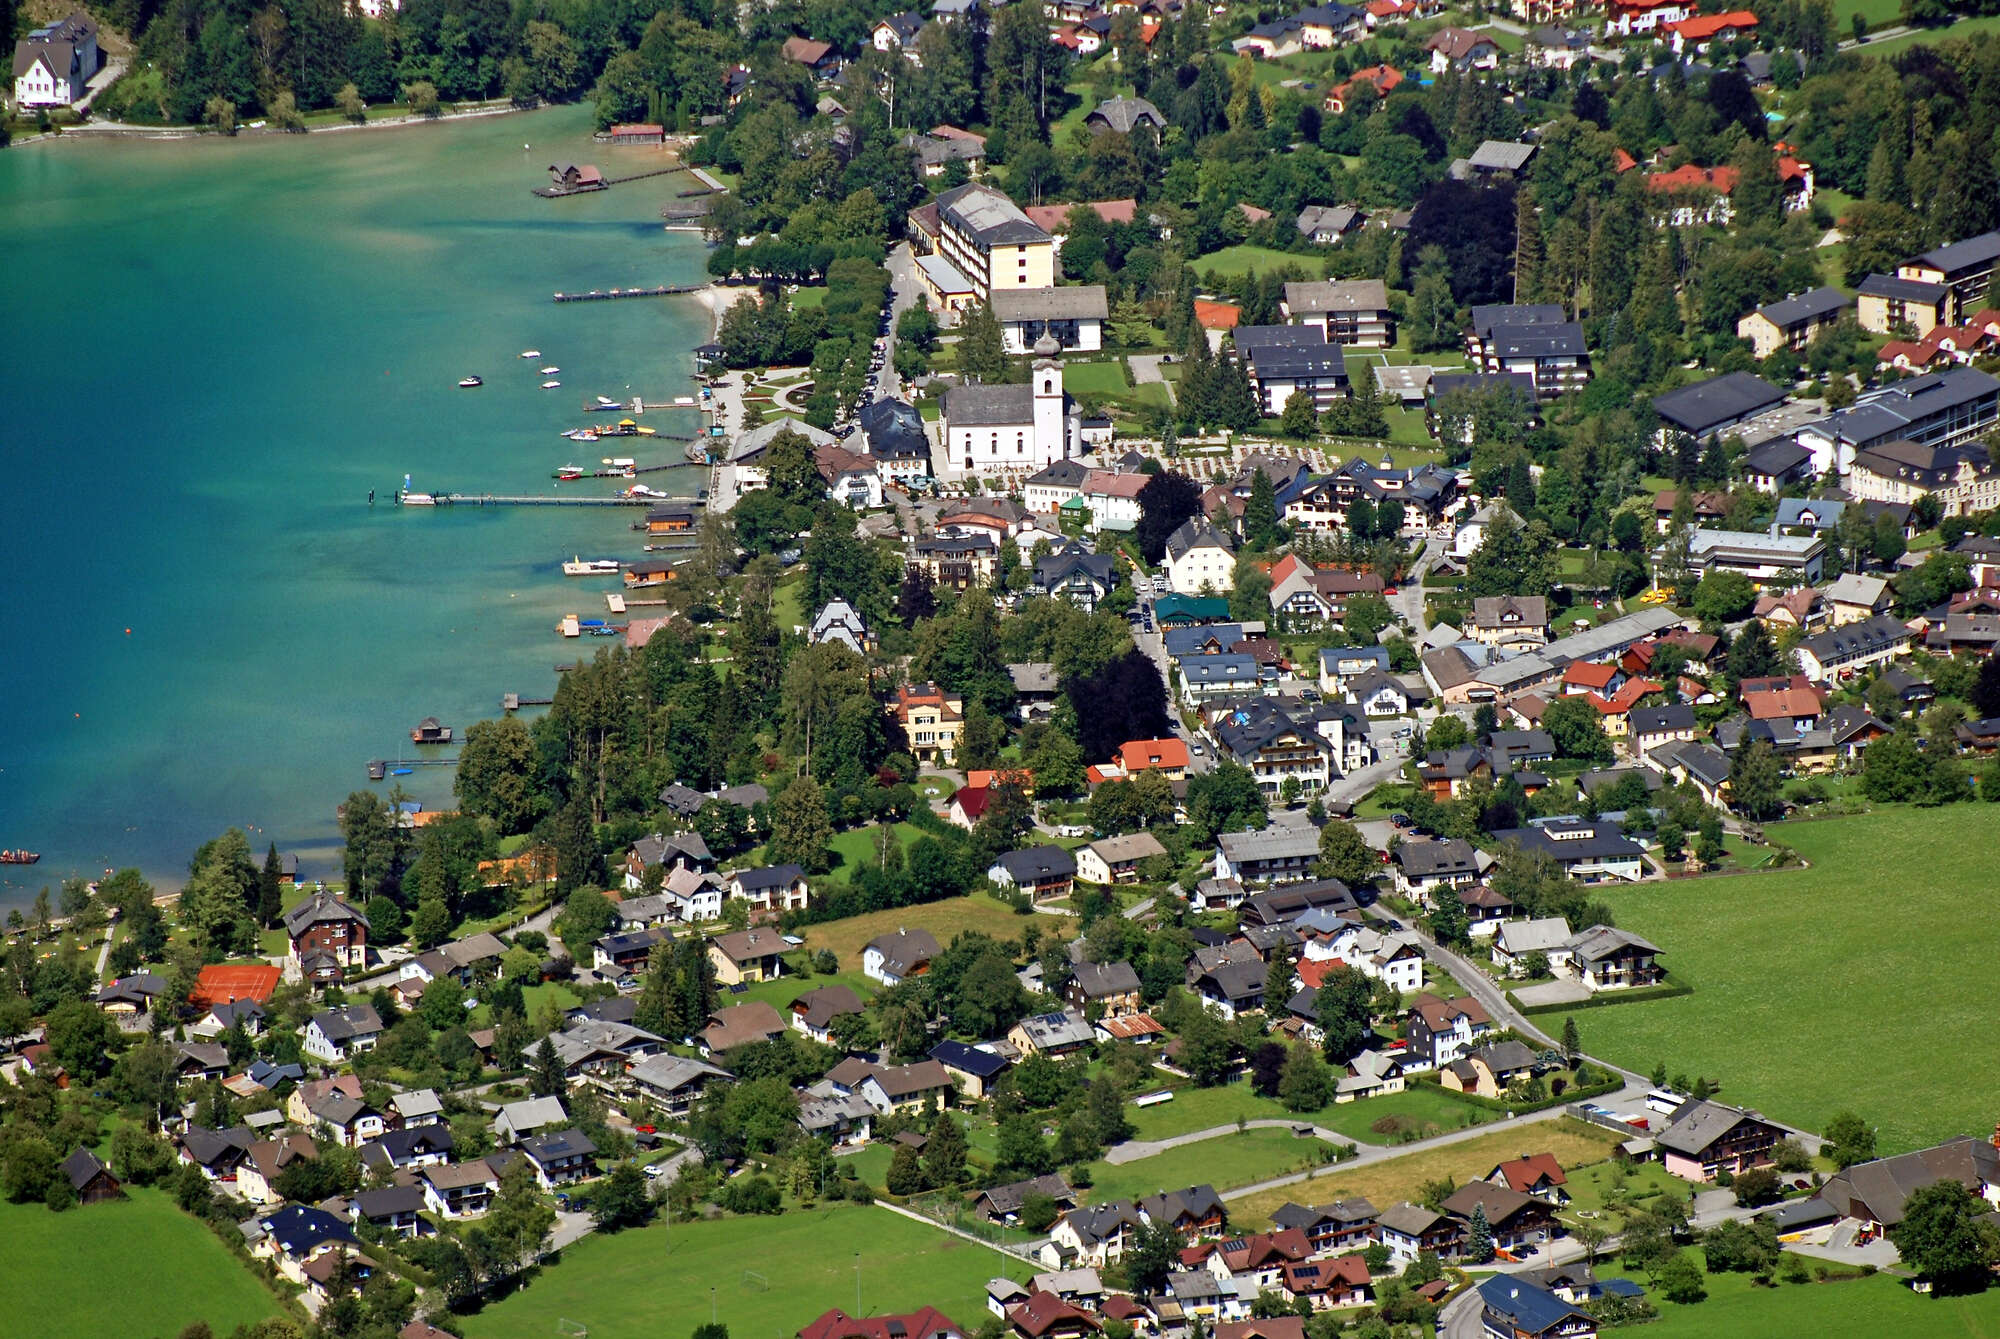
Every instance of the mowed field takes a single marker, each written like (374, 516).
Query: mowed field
(1862, 983)
(137, 1268)
(1573, 1143)
(769, 1277)
(1869, 1308)
(944, 919)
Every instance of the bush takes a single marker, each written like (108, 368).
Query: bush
(752, 1195)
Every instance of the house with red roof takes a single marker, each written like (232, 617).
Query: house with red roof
(927, 1323)
(1536, 1174)
(1046, 1316)
(1162, 755)
(1626, 18)
(1383, 78)
(1694, 194)
(1341, 1281)
(1695, 35)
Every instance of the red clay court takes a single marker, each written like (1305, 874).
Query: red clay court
(226, 983)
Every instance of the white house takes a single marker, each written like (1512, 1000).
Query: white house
(893, 959)
(1073, 316)
(54, 63)
(336, 1034)
(1113, 498)
(1515, 940)
(1199, 558)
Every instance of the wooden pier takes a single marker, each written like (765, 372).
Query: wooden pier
(381, 767)
(609, 294)
(602, 184)
(532, 500)
(514, 702)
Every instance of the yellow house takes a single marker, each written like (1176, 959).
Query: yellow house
(931, 719)
(985, 239)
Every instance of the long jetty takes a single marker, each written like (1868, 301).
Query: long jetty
(531, 500)
(515, 701)
(609, 294)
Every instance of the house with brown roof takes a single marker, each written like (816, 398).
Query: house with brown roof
(1708, 1138)
(924, 1323)
(1046, 1316)
(814, 1012)
(818, 57)
(328, 937)
(1341, 1281)
(740, 1025)
(1440, 1031)
(893, 959)
(756, 954)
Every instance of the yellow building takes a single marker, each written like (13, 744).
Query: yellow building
(985, 239)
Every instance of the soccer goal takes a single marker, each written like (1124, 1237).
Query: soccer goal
(575, 1329)
(753, 1282)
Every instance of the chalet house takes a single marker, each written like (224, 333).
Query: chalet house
(772, 889)
(1484, 908)
(893, 959)
(1519, 1222)
(1347, 1224)
(627, 953)
(1513, 941)
(1082, 578)
(217, 1152)
(265, 1161)
(1093, 1235)
(1194, 1212)
(1325, 1284)
(672, 1083)
(1793, 322)
(560, 1157)
(1440, 1031)
(1046, 1316)
(1461, 49)
(518, 1120)
(1650, 727)
(1423, 870)
(1488, 1071)
(295, 1235)
(1537, 1174)
(1055, 1035)
(416, 1146)
(1112, 860)
(1370, 1074)
(335, 1035)
(1510, 622)
(1517, 1309)
(756, 954)
(740, 1025)
(1002, 1204)
(971, 1068)
(1267, 855)
(1408, 1230)
(1111, 987)
(347, 1121)
(1707, 1138)
(1257, 1261)
(814, 1012)
(393, 1210)
(327, 936)
(1042, 872)
(1604, 958)
(459, 1190)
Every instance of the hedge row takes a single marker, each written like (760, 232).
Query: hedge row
(1671, 991)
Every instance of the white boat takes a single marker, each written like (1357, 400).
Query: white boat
(640, 490)
(607, 402)
(589, 567)
(531, 353)
(569, 472)
(584, 435)
(467, 383)
(550, 370)
(619, 462)
(550, 385)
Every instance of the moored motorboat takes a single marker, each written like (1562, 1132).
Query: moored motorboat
(467, 383)
(550, 370)
(587, 567)
(570, 472)
(19, 857)
(531, 353)
(550, 385)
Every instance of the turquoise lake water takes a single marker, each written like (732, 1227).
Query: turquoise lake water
(221, 347)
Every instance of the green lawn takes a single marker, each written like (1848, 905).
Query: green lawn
(534, 998)
(1422, 1109)
(858, 844)
(1226, 1161)
(1932, 36)
(785, 603)
(1830, 988)
(60, 1272)
(1235, 260)
(1879, 13)
(763, 1276)
(1598, 1189)
(1095, 379)
(1864, 1308)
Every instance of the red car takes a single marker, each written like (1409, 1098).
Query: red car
(645, 1129)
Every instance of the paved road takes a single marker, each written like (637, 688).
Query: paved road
(1138, 909)
(1132, 1150)
(1154, 644)
(1146, 367)
(904, 291)
(1409, 602)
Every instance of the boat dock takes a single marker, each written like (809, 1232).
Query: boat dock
(608, 294)
(514, 702)
(557, 192)
(531, 500)
(381, 767)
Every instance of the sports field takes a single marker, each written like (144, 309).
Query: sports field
(1863, 982)
(135, 1268)
(764, 1278)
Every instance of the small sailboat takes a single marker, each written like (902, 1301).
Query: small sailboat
(550, 385)
(467, 383)
(531, 353)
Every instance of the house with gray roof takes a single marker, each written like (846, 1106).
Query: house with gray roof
(1124, 115)
(1704, 1139)
(1276, 854)
(1073, 315)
